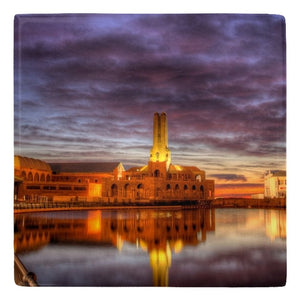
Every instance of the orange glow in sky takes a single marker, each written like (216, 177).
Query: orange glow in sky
(238, 190)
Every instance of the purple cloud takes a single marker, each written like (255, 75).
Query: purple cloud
(230, 177)
(94, 82)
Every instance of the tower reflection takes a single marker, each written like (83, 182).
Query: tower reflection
(158, 232)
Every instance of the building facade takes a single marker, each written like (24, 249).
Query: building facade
(38, 181)
(159, 181)
(275, 184)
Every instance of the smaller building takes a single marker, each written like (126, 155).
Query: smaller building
(30, 175)
(38, 181)
(275, 184)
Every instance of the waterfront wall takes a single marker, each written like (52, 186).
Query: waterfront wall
(251, 203)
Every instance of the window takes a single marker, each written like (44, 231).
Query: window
(65, 188)
(114, 190)
(140, 186)
(49, 187)
(30, 177)
(79, 188)
(36, 177)
(33, 187)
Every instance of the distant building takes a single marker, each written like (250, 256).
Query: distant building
(158, 181)
(275, 184)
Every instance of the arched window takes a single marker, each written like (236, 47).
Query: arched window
(193, 187)
(23, 174)
(30, 177)
(48, 177)
(114, 190)
(140, 191)
(43, 177)
(156, 173)
(168, 187)
(126, 190)
(176, 187)
(185, 187)
(36, 177)
(202, 191)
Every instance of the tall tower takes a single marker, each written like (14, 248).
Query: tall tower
(160, 151)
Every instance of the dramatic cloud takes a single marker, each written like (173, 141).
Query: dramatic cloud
(86, 87)
(230, 177)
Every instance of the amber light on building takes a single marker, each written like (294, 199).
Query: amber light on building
(159, 181)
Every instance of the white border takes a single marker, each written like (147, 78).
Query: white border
(285, 8)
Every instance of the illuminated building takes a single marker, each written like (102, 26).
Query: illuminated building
(157, 182)
(160, 151)
(38, 181)
(275, 184)
(29, 175)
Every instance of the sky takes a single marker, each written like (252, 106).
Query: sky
(86, 88)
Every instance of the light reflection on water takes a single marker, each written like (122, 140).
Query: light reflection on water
(160, 247)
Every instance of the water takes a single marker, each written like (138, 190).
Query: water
(154, 247)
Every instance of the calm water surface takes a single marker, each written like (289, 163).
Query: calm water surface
(160, 247)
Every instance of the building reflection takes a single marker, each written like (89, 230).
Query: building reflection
(275, 221)
(272, 221)
(158, 232)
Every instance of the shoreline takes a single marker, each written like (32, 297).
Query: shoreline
(216, 203)
(31, 210)
(249, 203)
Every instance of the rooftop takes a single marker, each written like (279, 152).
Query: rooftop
(84, 167)
(21, 162)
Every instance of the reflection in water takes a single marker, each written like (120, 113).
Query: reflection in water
(275, 224)
(157, 232)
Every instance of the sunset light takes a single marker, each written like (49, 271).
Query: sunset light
(150, 151)
(89, 84)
